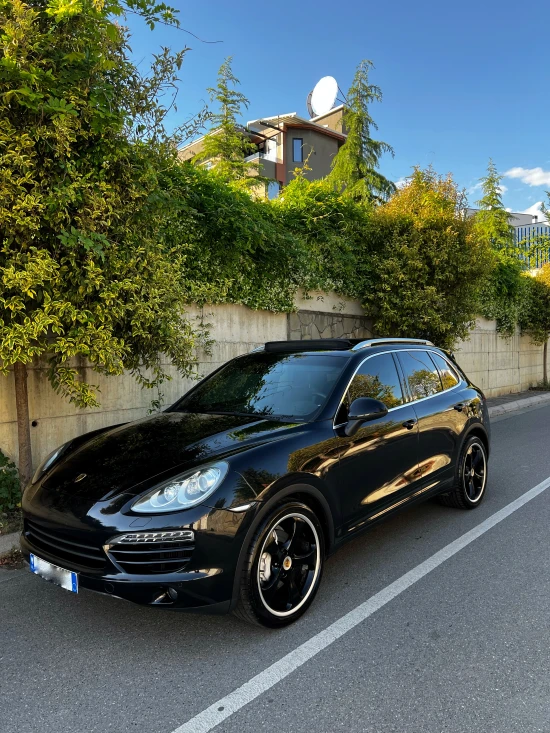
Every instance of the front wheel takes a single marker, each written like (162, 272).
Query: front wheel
(283, 568)
(471, 477)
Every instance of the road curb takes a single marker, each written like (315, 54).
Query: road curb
(8, 542)
(540, 399)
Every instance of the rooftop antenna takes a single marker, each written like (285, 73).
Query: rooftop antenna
(321, 99)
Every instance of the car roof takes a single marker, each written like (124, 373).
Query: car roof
(340, 345)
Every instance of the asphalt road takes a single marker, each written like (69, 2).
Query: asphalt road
(465, 648)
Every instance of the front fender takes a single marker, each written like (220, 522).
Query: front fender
(263, 508)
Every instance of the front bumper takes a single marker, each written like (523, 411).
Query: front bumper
(204, 584)
(186, 591)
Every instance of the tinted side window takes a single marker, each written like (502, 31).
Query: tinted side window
(378, 378)
(448, 375)
(421, 374)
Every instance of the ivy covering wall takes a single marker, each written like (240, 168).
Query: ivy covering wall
(414, 261)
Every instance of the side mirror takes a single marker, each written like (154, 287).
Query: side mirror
(362, 410)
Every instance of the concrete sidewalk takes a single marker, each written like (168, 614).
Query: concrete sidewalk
(517, 401)
(497, 406)
(8, 542)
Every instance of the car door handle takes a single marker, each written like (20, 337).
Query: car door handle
(409, 424)
(459, 407)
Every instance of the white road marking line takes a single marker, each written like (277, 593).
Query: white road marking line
(226, 706)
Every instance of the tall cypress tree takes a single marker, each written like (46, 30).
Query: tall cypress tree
(226, 143)
(492, 221)
(355, 166)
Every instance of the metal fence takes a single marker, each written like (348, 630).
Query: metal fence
(533, 244)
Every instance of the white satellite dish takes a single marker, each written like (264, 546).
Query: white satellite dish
(324, 95)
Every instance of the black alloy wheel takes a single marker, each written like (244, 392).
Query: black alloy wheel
(471, 479)
(473, 473)
(284, 567)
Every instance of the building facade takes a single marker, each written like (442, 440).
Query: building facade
(286, 142)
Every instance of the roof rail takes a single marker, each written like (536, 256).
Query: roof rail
(382, 341)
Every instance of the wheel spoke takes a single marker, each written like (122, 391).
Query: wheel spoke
(471, 489)
(268, 585)
(270, 592)
(290, 536)
(298, 544)
(307, 556)
(294, 593)
(478, 458)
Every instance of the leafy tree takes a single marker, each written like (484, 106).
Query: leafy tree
(355, 167)
(535, 316)
(492, 221)
(227, 144)
(504, 293)
(423, 266)
(85, 279)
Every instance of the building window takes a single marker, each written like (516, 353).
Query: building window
(273, 189)
(297, 150)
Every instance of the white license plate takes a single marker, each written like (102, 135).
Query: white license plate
(65, 578)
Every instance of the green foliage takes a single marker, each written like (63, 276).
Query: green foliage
(535, 315)
(510, 296)
(227, 144)
(492, 222)
(425, 268)
(83, 271)
(354, 168)
(235, 248)
(331, 227)
(10, 489)
(413, 262)
(503, 297)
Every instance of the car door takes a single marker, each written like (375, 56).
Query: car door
(434, 387)
(378, 466)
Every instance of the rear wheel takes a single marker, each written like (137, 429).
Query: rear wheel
(283, 569)
(471, 478)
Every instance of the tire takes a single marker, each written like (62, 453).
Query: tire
(283, 567)
(469, 489)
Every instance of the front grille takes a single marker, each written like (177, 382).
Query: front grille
(63, 549)
(147, 554)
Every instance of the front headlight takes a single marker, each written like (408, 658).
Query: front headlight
(48, 462)
(184, 491)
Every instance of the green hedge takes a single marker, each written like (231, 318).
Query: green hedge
(413, 262)
(10, 489)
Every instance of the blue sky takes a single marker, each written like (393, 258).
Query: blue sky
(462, 82)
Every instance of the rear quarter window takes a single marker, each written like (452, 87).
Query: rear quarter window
(449, 376)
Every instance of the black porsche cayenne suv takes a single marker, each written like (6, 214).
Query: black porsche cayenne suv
(233, 497)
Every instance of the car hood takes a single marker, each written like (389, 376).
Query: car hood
(131, 458)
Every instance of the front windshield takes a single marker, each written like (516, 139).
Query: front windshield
(275, 385)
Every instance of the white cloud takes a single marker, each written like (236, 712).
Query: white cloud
(530, 176)
(536, 210)
(401, 182)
